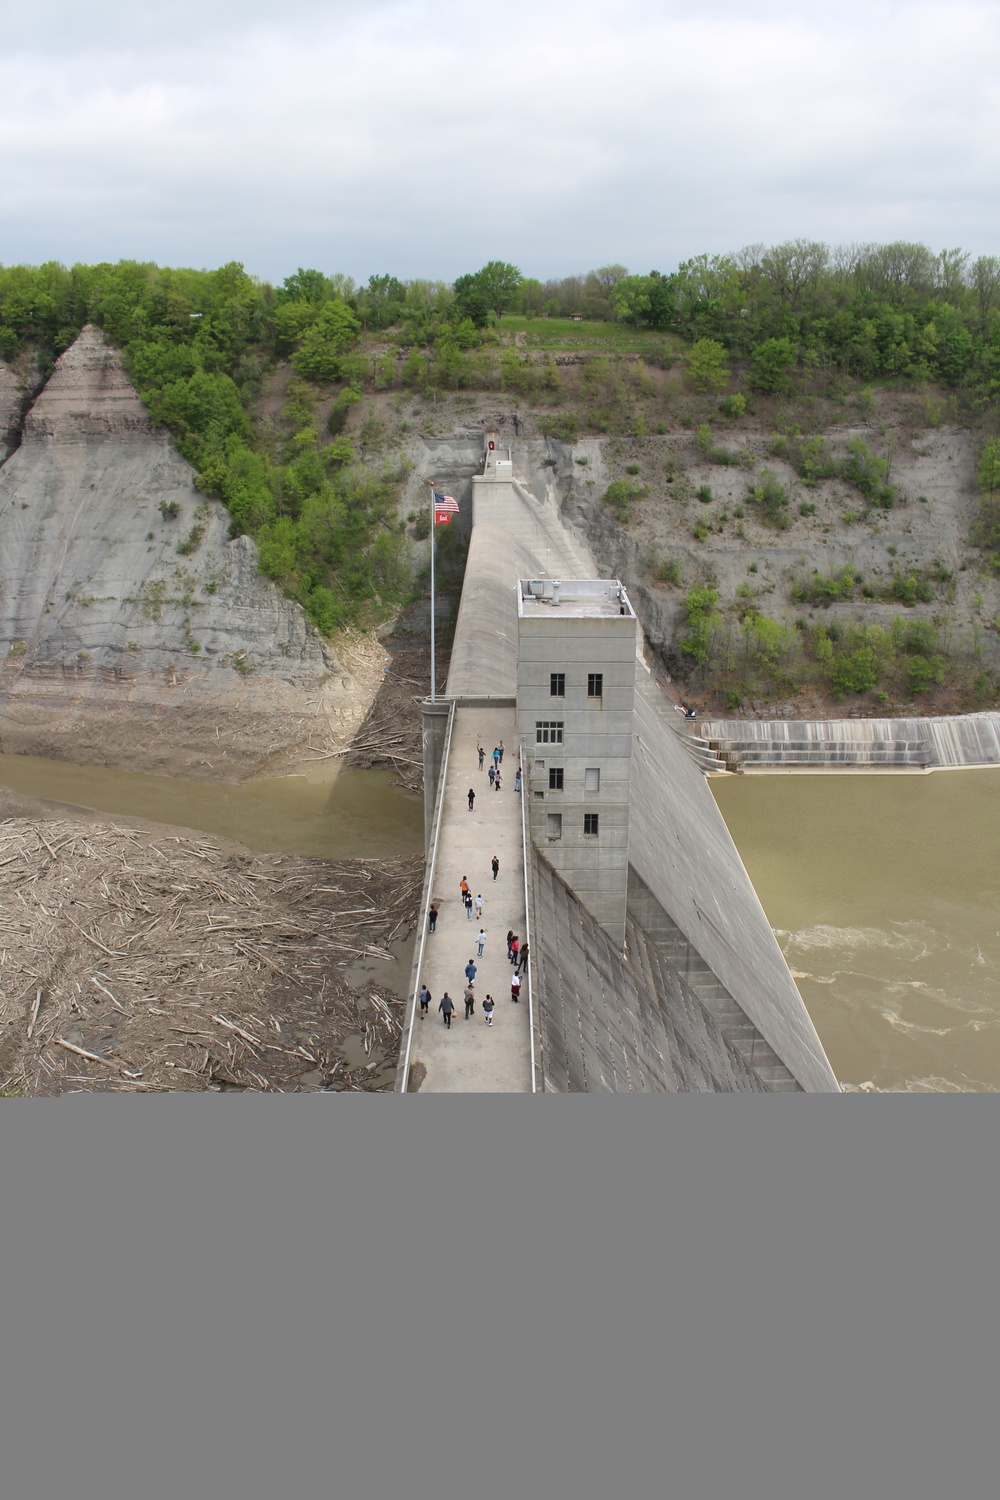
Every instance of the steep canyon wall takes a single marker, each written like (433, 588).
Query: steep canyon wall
(133, 630)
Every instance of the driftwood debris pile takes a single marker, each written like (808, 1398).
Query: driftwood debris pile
(391, 734)
(138, 961)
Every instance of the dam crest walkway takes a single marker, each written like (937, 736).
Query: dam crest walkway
(700, 997)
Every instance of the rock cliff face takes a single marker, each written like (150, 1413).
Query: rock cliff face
(933, 472)
(132, 629)
(10, 410)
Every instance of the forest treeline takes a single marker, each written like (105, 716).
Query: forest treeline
(871, 310)
(199, 344)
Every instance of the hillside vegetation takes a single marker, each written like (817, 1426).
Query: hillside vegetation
(762, 405)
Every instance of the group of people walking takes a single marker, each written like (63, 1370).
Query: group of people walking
(517, 953)
(495, 773)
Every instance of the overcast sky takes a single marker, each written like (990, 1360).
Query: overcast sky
(425, 137)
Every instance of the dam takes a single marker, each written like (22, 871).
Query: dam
(652, 964)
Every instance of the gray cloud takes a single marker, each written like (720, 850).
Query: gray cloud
(425, 138)
(54, 26)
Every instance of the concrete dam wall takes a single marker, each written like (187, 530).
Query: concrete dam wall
(701, 998)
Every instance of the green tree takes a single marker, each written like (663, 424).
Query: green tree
(319, 357)
(989, 467)
(632, 299)
(531, 297)
(701, 618)
(471, 301)
(305, 286)
(707, 367)
(771, 365)
(381, 301)
(854, 672)
(500, 282)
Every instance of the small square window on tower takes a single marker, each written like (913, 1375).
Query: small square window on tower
(555, 778)
(592, 823)
(595, 684)
(557, 684)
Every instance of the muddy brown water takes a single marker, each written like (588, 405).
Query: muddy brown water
(884, 892)
(353, 815)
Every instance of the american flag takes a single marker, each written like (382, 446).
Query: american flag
(445, 506)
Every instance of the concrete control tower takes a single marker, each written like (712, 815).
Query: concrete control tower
(575, 706)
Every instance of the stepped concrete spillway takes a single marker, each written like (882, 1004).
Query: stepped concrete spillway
(918, 744)
(700, 998)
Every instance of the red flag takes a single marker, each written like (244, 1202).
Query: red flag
(443, 517)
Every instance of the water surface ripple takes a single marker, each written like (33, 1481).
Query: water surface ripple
(884, 892)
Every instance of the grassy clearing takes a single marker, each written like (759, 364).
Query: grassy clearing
(563, 333)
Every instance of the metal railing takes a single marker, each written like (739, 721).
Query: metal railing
(403, 1083)
(525, 793)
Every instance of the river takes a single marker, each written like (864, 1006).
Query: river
(884, 890)
(884, 893)
(322, 814)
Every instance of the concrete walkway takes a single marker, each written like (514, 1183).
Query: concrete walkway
(473, 1057)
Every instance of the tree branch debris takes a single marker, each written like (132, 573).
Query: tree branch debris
(186, 964)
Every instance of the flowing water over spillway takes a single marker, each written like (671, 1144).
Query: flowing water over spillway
(353, 815)
(884, 891)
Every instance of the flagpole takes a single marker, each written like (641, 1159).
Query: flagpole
(433, 662)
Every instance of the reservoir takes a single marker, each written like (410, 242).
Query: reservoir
(323, 815)
(884, 893)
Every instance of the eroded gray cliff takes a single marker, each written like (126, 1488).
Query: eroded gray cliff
(128, 618)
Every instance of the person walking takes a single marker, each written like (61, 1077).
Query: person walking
(495, 865)
(515, 944)
(470, 1001)
(522, 962)
(510, 939)
(517, 779)
(432, 918)
(481, 940)
(496, 781)
(467, 903)
(472, 798)
(478, 904)
(425, 1000)
(446, 1007)
(463, 885)
(482, 755)
(496, 757)
(515, 987)
(493, 773)
(488, 1010)
(500, 748)
(470, 973)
